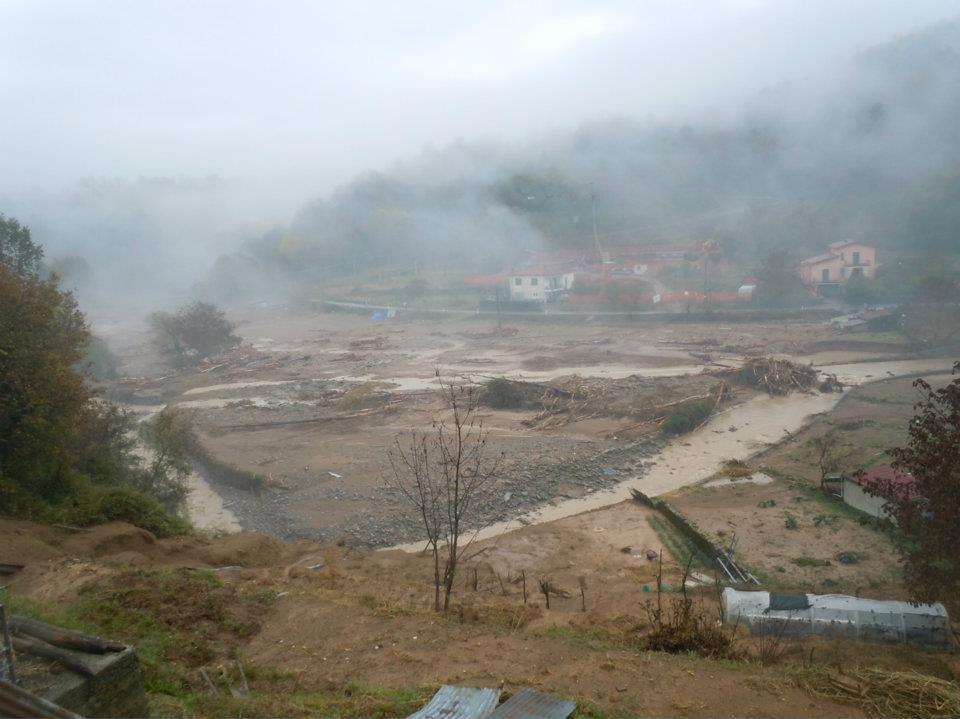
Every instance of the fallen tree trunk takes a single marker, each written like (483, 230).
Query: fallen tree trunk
(40, 648)
(66, 638)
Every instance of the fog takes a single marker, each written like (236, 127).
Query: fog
(153, 138)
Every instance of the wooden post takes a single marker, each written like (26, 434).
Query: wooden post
(523, 578)
(7, 647)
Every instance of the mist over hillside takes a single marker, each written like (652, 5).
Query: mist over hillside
(869, 152)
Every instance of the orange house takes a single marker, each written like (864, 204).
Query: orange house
(843, 260)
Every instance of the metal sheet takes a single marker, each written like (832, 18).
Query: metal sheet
(459, 703)
(530, 704)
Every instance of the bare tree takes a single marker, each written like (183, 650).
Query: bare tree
(827, 448)
(446, 474)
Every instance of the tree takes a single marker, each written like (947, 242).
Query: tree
(195, 332)
(929, 515)
(42, 337)
(446, 475)
(169, 436)
(933, 318)
(18, 252)
(827, 448)
(65, 455)
(778, 281)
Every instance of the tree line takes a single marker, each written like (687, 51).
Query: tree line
(67, 455)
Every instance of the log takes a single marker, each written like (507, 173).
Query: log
(40, 648)
(17, 702)
(66, 638)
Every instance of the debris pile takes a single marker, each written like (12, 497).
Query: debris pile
(883, 693)
(649, 403)
(369, 343)
(775, 376)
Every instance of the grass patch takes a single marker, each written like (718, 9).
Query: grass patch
(679, 546)
(179, 620)
(811, 562)
(352, 701)
(584, 637)
(501, 393)
(735, 469)
(362, 396)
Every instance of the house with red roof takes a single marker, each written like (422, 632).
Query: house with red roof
(861, 489)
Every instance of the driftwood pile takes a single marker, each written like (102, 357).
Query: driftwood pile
(580, 399)
(780, 377)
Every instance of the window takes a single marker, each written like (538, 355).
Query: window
(518, 281)
(534, 281)
(825, 275)
(856, 272)
(856, 258)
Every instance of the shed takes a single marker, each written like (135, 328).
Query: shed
(838, 615)
(860, 489)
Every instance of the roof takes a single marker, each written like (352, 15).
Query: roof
(459, 703)
(819, 258)
(882, 475)
(485, 280)
(844, 243)
(540, 270)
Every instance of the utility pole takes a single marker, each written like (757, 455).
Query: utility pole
(499, 317)
(593, 214)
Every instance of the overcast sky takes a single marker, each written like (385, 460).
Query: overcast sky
(315, 92)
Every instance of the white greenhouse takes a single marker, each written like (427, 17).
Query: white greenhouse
(868, 620)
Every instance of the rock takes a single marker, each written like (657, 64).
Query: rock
(626, 550)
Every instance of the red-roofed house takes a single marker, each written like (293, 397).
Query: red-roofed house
(856, 488)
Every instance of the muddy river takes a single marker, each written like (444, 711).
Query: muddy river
(689, 459)
(736, 433)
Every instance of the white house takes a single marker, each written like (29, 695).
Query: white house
(538, 284)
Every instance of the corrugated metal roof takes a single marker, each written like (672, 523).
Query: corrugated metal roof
(530, 704)
(459, 703)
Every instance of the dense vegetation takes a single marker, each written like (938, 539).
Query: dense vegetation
(928, 516)
(65, 455)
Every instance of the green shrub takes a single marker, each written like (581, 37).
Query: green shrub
(501, 393)
(90, 504)
(687, 417)
(811, 562)
(791, 522)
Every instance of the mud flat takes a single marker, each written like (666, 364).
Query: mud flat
(737, 433)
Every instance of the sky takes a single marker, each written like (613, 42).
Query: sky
(303, 95)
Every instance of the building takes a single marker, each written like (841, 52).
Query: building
(539, 283)
(856, 488)
(835, 267)
(784, 614)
